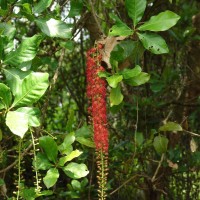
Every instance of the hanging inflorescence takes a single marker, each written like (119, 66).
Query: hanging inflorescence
(96, 93)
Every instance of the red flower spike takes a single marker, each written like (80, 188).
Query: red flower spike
(96, 93)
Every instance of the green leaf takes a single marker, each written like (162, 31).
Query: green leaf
(114, 80)
(32, 114)
(74, 154)
(85, 141)
(42, 162)
(54, 28)
(41, 6)
(141, 79)
(135, 9)
(7, 30)
(76, 7)
(130, 73)
(28, 193)
(14, 78)
(69, 139)
(153, 42)
(120, 29)
(17, 123)
(3, 4)
(161, 22)
(104, 74)
(139, 138)
(50, 147)
(171, 126)
(84, 131)
(32, 89)
(76, 185)
(26, 51)
(51, 177)
(75, 170)
(5, 96)
(116, 96)
(160, 144)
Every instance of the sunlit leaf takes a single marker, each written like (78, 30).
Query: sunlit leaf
(114, 80)
(51, 177)
(171, 126)
(75, 170)
(116, 96)
(140, 79)
(161, 22)
(130, 73)
(54, 28)
(17, 122)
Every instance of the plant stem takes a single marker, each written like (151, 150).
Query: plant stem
(19, 169)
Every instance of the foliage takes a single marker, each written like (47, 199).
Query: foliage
(150, 52)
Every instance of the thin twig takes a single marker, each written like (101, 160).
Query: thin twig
(158, 167)
(194, 134)
(16, 161)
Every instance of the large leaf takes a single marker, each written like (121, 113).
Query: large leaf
(41, 6)
(32, 89)
(161, 22)
(5, 96)
(14, 78)
(120, 28)
(26, 51)
(141, 79)
(76, 7)
(50, 147)
(135, 9)
(17, 123)
(54, 28)
(116, 96)
(130, 73)
(8, 30)
(153, 42)
(160, 144)
(69, 139)
(51, 177)
(75, 170)
(114, 80)
(74, 154)
(171, 126)
(42, 162)
(32, 114)
(85, 141)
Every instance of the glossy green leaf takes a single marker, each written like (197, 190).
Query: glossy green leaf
(5, 96)
(76, 7)
(17, 122)
(32, 89)
(114, 80)
(42, 162)
(85, 141)
(120, 29)
(50, 147)
(116, 96)
(51, 177)
(74, 154)
(41, 6)
(153, 42)
(141, 79)
(7, 30)
(26, 51)
(14, 78)
(130, 73)
(135, 9)
(54, 28)
(161, 22)
(75, 170)
(28, 193)
(171, 126)
(160, 144)
(84, 131)
(32, 114)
